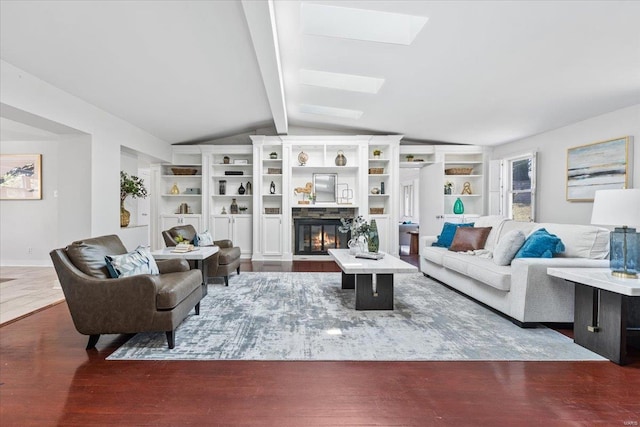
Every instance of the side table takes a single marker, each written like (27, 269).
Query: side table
(607, 310)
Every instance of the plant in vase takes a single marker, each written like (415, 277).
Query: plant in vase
(376, 153)
(359, 228)
(273, 155)
(447, 187)
(130, 185)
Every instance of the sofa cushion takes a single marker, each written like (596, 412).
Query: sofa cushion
(509, 225)
(133, 263)
(173, 288)
(448, 232)
(434, 254)
(508, 247)
(88, 255)
(228, 255)
(469, 239)
(481, 269)
(540, 244)
(581, 241)
(495, 222)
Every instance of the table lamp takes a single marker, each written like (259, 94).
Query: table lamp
(621, 209)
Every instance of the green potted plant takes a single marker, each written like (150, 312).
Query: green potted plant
(409, 157)
(130, 185)
(376, 153)
(273, 155)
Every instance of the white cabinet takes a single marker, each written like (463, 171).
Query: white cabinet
(463, 168)
(272, 235)
(237, 228)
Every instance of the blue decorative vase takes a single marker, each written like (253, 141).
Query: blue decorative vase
(373, 241)
(458, 207)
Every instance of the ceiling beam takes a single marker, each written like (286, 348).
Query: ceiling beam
(262, 27)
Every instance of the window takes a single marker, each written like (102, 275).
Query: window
(518, 187)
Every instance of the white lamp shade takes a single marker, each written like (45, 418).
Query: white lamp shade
(617, 208)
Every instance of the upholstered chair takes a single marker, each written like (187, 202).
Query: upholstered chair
(100, 304)
(220, 264)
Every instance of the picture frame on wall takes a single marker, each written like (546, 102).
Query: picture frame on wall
(603, 165)
(20, 176)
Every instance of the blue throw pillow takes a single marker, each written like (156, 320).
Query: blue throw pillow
(139, 261)
(447, 234)
(541, 244)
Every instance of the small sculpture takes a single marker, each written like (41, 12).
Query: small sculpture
(272, 188)
(341, 160)
(307, 189)
(466, 188)
(302, 158)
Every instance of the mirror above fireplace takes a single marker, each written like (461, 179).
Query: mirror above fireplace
(324, 185)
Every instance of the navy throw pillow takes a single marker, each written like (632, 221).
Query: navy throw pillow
(447, 234)
(540, 244)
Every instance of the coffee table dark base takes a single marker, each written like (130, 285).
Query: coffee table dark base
(366, 298)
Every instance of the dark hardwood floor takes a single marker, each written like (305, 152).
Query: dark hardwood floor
(48, 378)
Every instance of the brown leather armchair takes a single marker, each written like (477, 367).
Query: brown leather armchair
(220, 264)
(141, 303)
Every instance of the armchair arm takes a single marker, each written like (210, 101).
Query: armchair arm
(426, 241)
(172, 265)
(226, 243)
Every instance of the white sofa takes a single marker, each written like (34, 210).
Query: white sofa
(523, 291)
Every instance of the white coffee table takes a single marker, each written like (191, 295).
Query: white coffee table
(358, 274)
(199, 255)
(603, 313)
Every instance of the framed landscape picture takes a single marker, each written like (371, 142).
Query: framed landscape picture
(20, 176)
(598, 166)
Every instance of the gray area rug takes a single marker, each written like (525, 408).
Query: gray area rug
(307, 316)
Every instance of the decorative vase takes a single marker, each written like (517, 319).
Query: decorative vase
(241, 190)
(373, 242)
(226, 160)
(249, 187)
(272, 188)
(222, 187)
(233, 209)
(175, 189)
(341, 160)
(125, 215)
(458, 207)
(447, 190)
(273, 156)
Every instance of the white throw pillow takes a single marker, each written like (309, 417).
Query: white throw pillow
(508, 246)
(205, 239)
(133, 263)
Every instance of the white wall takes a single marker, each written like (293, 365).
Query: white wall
(99, 163)
(552, 146)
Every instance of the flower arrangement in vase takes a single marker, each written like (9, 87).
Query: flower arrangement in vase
(359, 228)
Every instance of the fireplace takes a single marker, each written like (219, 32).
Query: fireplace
(315, 236)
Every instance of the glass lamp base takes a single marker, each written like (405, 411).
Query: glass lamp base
(624, 250)
(624, 275)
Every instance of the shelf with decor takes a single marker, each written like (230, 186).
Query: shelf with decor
(180, 188)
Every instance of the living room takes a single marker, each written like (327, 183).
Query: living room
(529, 94)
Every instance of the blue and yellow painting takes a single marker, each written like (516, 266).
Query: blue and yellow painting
(598, 166)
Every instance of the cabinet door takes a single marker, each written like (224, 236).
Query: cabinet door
(221, 227)
(194, 221)
(431, 199)
(243, 233)
(272, 235)
(168, 221)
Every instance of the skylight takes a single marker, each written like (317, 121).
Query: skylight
(330, 111)
(341, 81)
(360, 24)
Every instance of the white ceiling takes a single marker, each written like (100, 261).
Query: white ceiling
(478, 72)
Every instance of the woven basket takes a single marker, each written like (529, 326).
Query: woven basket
(376, 171)
(458, 171)
(274, 171)
(376, 211)
(272, 210)
(184, 171)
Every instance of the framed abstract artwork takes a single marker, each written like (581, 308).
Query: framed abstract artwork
(20, 176)
(598, 166)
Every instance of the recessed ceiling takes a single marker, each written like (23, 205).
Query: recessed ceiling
(475, 72)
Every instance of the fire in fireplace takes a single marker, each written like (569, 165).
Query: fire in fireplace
(315, 236)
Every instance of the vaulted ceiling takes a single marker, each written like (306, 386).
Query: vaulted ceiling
(477, 72)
